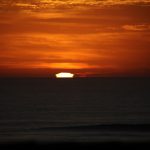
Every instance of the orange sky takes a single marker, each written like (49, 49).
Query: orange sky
(85, 37)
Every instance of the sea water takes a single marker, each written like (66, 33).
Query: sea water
(75, 110)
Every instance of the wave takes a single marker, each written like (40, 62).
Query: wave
(113, 127)
(88, 128)
(83, 133)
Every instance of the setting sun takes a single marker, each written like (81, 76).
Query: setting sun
(64, 75)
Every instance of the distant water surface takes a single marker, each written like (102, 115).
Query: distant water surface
(79, 109)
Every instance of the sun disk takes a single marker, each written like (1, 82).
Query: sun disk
(64, 75)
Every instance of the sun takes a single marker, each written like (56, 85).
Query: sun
(64, 75)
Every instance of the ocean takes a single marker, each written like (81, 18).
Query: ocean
(75, 110)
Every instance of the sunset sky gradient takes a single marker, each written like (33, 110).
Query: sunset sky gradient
(39, 38)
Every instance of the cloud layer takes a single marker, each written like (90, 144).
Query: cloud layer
(109, 37)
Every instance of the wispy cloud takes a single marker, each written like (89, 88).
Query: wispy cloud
(137, 27)
(46, 4)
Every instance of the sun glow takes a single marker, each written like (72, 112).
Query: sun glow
(64, 75)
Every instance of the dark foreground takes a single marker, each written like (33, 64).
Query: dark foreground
(75, 145)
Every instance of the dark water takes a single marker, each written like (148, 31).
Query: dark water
(68, 110)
